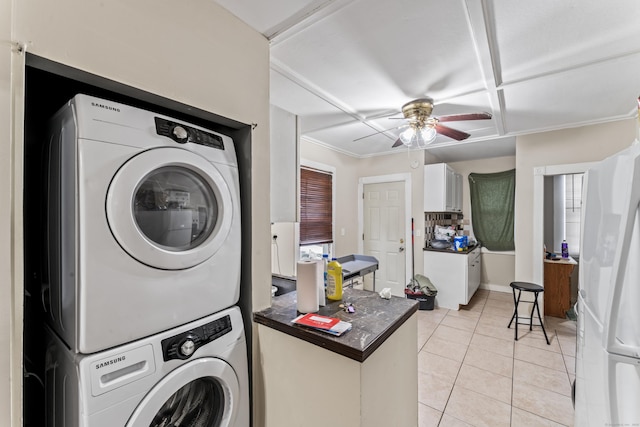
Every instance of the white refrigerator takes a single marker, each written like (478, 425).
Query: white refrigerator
(607, 385)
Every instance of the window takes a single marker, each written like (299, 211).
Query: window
(572, 212)
(492, 208)
(316, 207)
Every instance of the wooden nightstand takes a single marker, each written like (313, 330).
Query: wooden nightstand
(557, 286)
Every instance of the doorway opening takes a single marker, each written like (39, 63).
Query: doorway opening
(543, 179)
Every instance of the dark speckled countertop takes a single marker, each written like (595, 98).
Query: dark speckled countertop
(373, 322)
(450, 250)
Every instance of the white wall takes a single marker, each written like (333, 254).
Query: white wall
(285, 161)
(285, 248)
(144, 44)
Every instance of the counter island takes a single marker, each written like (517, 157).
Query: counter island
(366, 377)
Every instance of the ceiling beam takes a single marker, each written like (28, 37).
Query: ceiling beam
(303, 19)
(310, 87)
(482, 27)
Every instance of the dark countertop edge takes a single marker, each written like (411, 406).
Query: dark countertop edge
(368, 351)
(344, 350)
(448, 251)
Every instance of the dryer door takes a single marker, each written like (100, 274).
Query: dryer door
(169, 208)
(202, 393)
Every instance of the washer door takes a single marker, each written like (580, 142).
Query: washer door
(169, 208)
(201, 393)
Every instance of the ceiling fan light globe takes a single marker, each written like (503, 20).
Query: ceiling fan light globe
(408, 136)
(428, 135)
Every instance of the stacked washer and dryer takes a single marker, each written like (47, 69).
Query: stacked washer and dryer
(143, 243)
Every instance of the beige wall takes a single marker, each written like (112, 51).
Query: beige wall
(578, 145)
(144, 44)
(349, 170)
(403, 162)
(498, 269)
(9, 371)
(346, 212)
(495, 164)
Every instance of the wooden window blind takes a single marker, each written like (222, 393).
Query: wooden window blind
(316, 207)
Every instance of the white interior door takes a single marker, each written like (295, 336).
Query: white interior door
(384, 234)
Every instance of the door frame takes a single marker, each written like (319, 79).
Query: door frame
(382, 179)
(537, 240)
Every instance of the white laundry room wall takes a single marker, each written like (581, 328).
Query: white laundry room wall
(193, 52)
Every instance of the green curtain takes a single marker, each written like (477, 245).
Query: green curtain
(492, 207)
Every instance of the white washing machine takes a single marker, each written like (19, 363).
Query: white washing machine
(192, 376)
(143, 224)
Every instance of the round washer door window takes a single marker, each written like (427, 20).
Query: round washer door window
(202, 393)
(169, 208)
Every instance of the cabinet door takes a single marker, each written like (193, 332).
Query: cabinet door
(458, 202)
(447, 272)
(473, 274)
(435, 187)
(451, 190)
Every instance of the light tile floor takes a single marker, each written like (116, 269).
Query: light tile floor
(471, 372)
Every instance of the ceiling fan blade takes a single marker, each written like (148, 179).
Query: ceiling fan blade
(376, 133)
(462, 117)
(398, 143)
(451, 133)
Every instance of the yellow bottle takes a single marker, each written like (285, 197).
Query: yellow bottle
(334, 280)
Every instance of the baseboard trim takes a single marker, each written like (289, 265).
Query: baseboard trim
(494, 287)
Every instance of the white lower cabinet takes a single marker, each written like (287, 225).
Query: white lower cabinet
(455, 275)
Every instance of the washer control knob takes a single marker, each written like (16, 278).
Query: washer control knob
(187, 348)
(180, 133)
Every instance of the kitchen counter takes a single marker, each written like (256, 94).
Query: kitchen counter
(364, 378)
(451, 251)
(374, 320)
(455, 277)
(560, 260)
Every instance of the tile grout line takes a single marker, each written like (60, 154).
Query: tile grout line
(552, 331)
(461, 363)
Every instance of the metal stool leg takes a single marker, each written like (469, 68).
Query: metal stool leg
(535, 303)
(515, 312)
(537, 307)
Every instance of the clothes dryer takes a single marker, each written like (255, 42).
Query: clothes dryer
(143, 224)
(192, 376)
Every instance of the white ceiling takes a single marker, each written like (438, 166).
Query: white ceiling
(346, 66)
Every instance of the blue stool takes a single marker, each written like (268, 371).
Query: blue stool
(527, 287)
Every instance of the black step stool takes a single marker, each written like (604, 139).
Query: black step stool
(527, 287)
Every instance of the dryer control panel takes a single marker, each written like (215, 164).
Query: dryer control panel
(182, 134)
(182, 346)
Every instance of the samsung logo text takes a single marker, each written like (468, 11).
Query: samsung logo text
(110, 362)
(106, 107)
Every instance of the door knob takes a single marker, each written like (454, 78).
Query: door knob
(401, 248)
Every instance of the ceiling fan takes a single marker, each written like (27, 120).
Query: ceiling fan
(422, 128)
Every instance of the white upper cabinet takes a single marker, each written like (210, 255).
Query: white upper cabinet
(442, 189)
